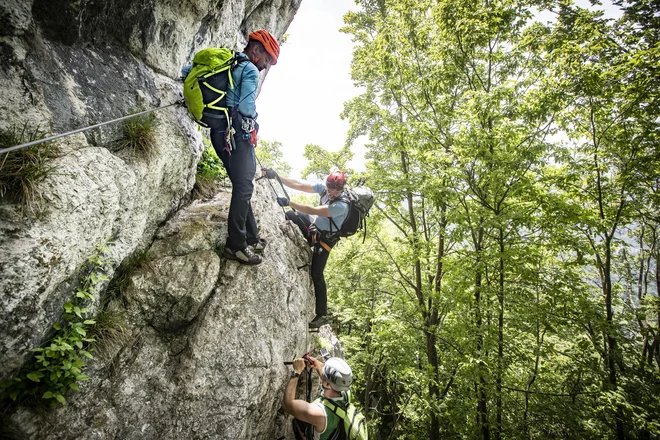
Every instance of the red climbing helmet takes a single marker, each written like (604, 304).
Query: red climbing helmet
(269, 42)
(335, 180)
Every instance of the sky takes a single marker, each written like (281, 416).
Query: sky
(304, 93)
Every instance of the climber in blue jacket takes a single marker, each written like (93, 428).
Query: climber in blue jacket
(243, 241)
(238, 157)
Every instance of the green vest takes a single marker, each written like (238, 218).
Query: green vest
(332, 419)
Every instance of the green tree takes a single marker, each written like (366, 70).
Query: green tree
(595, 65)
(476, 308)
(321, 162)
(270, 155)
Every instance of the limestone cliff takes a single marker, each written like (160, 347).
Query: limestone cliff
(204, 340)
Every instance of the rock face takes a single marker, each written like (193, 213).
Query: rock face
(206, 340)
(202, 352)
(69, 64)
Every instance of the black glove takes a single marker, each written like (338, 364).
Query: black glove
(269, 173)
(283, 201)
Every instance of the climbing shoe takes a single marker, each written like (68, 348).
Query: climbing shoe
(259, 246)
(318, 321)
(244, 256)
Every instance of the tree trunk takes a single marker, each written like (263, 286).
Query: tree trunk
(611, 341)
(500, 338)
(482, 400)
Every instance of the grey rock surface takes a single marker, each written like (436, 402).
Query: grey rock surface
(66, 65)
(206, 338)
(201, 349)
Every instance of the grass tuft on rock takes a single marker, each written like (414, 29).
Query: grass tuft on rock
(22, 170)
(139, 135)
(110, 331)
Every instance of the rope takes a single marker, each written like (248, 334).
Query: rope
(69, 133)
(271, 185)
(307, 314)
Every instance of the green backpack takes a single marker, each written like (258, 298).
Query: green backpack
(355, 425)
(205, 88)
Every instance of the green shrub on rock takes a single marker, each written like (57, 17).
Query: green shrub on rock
(58, 364)
(139, 135)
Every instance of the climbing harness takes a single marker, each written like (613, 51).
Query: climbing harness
(318, 240)
(80, 130)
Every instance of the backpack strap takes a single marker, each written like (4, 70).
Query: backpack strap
(338, 411)
(332, 222)
(339, 199)
(335, 225)
(353, 430)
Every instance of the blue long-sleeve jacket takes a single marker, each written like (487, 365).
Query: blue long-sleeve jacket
(244, 93)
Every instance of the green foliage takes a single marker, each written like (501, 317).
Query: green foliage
(271, 156)
(505, 288)
(322, 162)
(305, 198)
(209, 165)
(210, 171)
(57, 366)
(22, 170)
(110, 330)
(139, 135)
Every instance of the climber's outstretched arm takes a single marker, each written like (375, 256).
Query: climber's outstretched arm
(298, 408)
(297, 184)
(311, 210)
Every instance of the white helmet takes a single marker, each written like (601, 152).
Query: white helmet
(337, 372)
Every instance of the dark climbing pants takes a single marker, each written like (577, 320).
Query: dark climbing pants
(241, 166)
(319, 260)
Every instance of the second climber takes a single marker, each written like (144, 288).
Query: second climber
(320, 225)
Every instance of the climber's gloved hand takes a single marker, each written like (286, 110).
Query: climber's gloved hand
(283, 201)
(269, 173)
